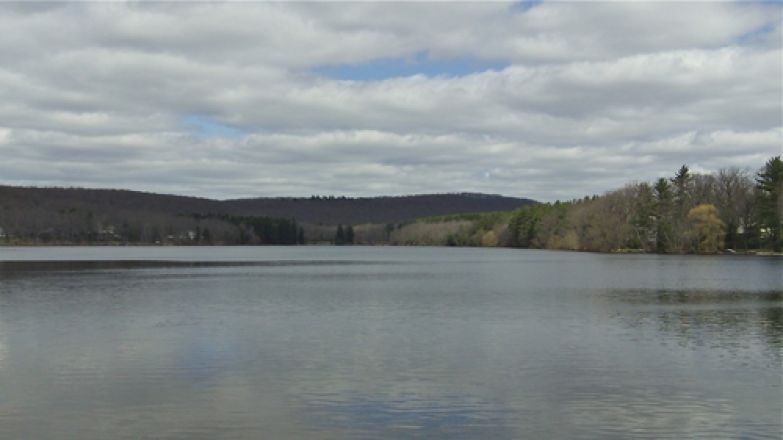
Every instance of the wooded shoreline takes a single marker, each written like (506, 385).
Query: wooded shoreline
(748, 252)
(732, 211)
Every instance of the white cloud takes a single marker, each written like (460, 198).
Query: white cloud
(595, 95)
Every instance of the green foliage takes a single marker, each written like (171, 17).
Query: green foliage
(344, 235)
(707, 228)
(483, 219)
(265, 230)
(769, 183)
(682, 214)
(339, 236)
(489, 239)
(525, 227)
(663, 215)
(681, 181)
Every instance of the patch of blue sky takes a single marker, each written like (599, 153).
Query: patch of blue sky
(203, 126)
(525, 5)
(756, 36)
(420, 64)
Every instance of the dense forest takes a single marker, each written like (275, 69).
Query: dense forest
(333, 210)
(705, 213)
(95, 216)
(730, 210)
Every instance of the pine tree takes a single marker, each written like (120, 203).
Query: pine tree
(663, 213)
(681, 182)
(769, 183)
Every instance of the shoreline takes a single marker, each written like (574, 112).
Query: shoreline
(749, 252)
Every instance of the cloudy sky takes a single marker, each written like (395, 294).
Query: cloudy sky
(549, 100)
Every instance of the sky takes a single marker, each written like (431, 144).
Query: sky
(547, 100)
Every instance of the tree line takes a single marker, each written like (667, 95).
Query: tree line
(344, 235)
(730, 209)
(263, 230)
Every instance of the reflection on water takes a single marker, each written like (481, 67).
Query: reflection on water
(387, 343)
(654, 416)
(725, 320)
(409, 416)
(693, 296)
(10, 268)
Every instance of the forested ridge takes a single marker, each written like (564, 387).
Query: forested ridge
(731, 210)
(31, 215)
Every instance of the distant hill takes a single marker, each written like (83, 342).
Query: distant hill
(340, 210)
(67, 214)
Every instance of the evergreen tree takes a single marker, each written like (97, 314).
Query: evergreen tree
(681, 182)
(663, 213)
(349, 234)
(769, 183)
(339, 237)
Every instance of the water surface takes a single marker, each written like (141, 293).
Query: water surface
(386, 342)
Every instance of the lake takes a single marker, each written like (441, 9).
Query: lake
(387, 342)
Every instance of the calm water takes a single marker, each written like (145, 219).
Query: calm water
(363, 343)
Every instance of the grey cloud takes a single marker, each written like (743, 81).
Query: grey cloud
(597, 95)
